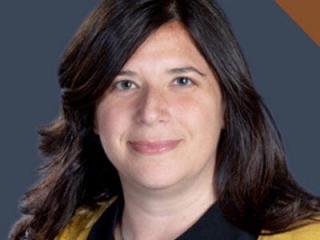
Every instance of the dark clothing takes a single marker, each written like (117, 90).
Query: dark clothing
(210, 226)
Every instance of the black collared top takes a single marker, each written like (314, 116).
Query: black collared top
(210, 226)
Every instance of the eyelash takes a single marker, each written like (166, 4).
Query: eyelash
(114, 86)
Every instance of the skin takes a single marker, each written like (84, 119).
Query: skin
(164, 193)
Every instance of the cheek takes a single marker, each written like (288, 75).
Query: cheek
(202, 119)
(199, 112)
(110, 116)
(112, 123)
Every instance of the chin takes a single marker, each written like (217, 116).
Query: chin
(156, 181)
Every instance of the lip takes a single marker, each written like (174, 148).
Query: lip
(154, 147)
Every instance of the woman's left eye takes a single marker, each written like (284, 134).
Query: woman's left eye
(184, 81)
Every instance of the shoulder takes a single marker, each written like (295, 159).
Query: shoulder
(307, 232)
(83, 220)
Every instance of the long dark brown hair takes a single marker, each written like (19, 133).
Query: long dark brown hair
(252, 182)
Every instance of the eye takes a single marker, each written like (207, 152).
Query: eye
(123, 85)
(184, 81)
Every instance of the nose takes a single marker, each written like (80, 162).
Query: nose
(152, 107)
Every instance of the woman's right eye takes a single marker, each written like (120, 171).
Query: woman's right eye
(123, 85)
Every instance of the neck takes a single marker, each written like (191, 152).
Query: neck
(164, 213)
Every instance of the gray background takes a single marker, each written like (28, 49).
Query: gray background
(284, 63)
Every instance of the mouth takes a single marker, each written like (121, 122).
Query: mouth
(154, 147)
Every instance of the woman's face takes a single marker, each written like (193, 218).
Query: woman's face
(159, 122)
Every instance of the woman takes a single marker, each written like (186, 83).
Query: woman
(162, 136)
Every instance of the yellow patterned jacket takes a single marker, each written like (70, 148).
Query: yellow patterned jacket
(80, 225)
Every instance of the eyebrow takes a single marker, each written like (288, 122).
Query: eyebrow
(170, 71)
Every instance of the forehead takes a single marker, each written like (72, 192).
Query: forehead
(170, 44)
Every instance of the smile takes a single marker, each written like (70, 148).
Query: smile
(154, 147)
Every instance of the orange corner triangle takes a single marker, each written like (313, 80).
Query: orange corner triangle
(306, 13)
